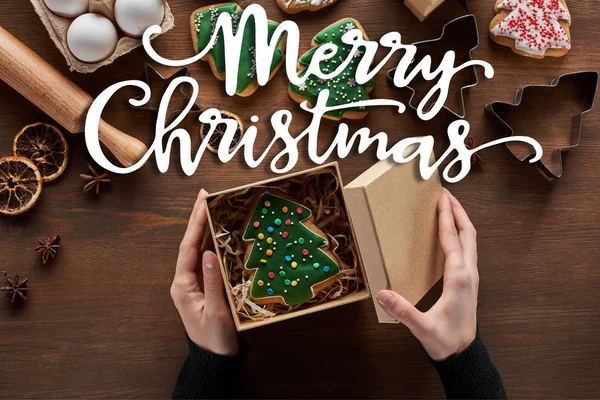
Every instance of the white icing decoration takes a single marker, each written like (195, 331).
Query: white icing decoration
(534, 25)
(314, 3)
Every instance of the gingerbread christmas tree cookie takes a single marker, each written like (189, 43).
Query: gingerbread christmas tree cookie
(532, 28)
(296, 6)
(203, 24)
(286, 253)
(343, 89)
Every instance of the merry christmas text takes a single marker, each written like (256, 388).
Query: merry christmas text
(401, 152)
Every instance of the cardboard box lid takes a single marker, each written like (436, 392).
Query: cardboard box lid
(394, 215)
(422, 8)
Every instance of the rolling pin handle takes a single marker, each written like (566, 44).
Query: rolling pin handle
(127, 149)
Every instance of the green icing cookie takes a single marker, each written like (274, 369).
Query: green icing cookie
(343, 89)
(203, 24)
(286, 255)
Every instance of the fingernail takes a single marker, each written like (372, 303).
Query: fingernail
(383, 298)
(208, 259)
(203, 192)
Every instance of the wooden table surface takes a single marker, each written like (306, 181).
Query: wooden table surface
(100, 322)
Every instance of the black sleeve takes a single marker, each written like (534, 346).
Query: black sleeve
(471, 374)
(209, 375)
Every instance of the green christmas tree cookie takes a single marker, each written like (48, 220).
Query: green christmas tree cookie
(343, 89)
(203, 23)
(289, 259)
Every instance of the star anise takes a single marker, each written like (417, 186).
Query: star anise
(48, 247)
(94, 180)
(475, 158)
(16, 287)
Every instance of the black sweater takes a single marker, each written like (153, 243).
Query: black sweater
(469, 374)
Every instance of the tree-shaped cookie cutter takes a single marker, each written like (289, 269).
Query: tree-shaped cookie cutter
(499, 111)
(467, 25)
(152, 77)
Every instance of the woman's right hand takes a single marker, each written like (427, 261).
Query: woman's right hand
(450, 325)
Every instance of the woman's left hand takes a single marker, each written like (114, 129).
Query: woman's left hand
(205, 314)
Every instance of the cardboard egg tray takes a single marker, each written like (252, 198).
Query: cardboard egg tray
(58, 26)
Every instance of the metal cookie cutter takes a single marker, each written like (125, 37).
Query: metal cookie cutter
(158, 84)
(462, 28)
(578, 87)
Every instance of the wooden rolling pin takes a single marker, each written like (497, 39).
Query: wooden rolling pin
(58, 97)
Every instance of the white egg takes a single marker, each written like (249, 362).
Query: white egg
(68, 8)
(135, 16)
(92, 38)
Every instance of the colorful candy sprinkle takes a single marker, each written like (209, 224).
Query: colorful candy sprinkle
(275, 227)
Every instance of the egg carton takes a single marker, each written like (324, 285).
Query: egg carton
(57, 29)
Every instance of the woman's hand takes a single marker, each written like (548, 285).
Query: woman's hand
(205, 315)
(450, 325)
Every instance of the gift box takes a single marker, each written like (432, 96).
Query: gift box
(382, 229)
(422, 8)
(394, 212)
(58, 26)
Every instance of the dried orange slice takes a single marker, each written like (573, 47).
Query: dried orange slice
(46, 146)
(20, 185)
(217, 136)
